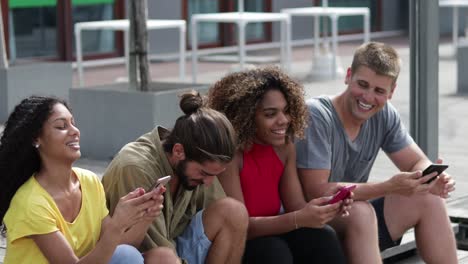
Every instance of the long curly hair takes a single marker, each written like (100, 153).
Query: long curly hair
(19, 159)
(237, 95)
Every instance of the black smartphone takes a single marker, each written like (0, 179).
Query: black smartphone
(439, 168)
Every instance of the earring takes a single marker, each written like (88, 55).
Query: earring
(36, 145)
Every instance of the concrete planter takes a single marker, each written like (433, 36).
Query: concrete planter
(462, 67)
(110, 116)
(20, 81)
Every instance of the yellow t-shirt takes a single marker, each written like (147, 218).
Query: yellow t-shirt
(33, 211)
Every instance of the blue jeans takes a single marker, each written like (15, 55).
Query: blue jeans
(124, 254)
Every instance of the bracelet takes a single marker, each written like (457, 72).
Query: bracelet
(295, 220)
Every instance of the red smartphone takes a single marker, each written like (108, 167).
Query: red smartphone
(439, 168)
(161, 181)
(342, 194)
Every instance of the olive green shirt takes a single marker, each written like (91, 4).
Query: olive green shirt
(139, 164)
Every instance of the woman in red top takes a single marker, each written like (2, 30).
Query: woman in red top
(268, 110)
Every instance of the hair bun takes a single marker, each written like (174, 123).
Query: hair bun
(190, 102)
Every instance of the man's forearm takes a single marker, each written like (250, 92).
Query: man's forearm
(319, 190)
(421, 164)
(370, 190)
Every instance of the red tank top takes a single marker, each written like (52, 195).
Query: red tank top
(260, 178)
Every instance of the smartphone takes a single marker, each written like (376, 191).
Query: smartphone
(161, 181)
(342, 194)
(439, 168)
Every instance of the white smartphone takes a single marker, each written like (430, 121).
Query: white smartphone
(161, 181)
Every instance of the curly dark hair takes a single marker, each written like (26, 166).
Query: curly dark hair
(19, 159)
(237, 95)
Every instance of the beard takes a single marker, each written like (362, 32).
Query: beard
(180, 171)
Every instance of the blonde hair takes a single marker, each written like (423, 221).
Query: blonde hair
(379, 57)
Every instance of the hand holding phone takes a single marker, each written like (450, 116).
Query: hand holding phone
(342, 194)
(161, 181)
(439, 168)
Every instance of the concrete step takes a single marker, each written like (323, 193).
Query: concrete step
(407, 247)
(407, 252)
(416, 259)
(458, 212)
(408, 244)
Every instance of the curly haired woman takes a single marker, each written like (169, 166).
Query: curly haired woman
(56, 213)
(267, 110)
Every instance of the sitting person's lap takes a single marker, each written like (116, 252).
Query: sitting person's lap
(193, 244)
(299, 246)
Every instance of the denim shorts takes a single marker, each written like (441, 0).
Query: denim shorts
(193, 245)
(124, 254)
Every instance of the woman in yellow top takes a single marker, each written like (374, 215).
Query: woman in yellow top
(54, 213)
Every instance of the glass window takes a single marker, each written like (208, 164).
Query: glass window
(207, 32)
(94, 41)
(254, 31)
(222, 34)
(33, 28)
(354, 23)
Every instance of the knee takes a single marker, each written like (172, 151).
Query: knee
(325, 236)
(361, 215)
(329, 240)
(321, 244)
(328, 235)
(161, 255)
(232, 212)
(126, 254)
(426, 203)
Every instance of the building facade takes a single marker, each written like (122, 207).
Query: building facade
(43, 29)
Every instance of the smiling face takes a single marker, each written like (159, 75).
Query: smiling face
(367, 93)
(60, 138)
(272, 119)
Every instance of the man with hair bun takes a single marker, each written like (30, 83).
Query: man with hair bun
(198, 221)
(346, 133)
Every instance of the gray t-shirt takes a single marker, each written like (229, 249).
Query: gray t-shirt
(327, 146)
